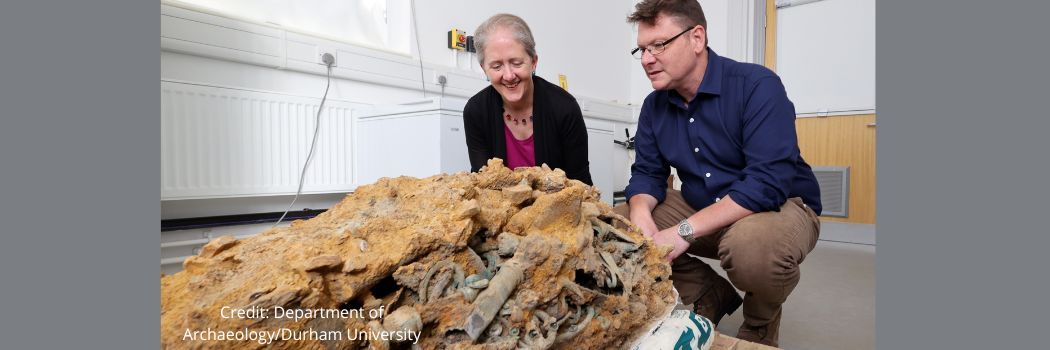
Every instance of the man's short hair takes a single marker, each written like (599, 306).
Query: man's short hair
(686, 13)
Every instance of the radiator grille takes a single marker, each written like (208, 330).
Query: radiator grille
(834, 190)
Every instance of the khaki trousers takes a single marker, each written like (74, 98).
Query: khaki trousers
(760, 253)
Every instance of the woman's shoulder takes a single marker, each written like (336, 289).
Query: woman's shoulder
(484, 95)
(558, 98)
(552, 91)
(481, 101)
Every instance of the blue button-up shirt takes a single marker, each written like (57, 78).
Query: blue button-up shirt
(736, 137)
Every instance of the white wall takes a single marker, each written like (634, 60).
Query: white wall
(585, 40)
(826, 56)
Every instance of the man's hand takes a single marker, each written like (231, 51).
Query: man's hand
(641, 213)
(670, 237)
(645, 222)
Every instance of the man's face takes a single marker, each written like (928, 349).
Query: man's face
(508, 66)
(668, 69)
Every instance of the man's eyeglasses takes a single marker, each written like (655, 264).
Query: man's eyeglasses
(657, 47)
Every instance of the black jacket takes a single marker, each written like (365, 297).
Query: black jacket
(558, 129)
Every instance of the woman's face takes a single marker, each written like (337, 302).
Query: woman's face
(508, 66)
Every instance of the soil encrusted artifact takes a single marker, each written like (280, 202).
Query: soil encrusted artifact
(499, 259)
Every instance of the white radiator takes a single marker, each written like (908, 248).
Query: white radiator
(228, 142)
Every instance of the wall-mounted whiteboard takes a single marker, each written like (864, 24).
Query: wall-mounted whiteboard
(826, 55)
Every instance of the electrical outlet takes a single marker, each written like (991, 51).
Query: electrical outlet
(439, 78)
(326, 56)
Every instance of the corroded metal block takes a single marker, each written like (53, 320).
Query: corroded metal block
(497, 259)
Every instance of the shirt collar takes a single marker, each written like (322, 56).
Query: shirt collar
(712, 83)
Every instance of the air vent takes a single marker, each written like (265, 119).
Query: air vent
(834, 190)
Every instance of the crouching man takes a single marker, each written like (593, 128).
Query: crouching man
(748, 198)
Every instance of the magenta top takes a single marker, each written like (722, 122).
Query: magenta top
(520, 153)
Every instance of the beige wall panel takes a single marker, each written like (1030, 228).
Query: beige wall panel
(844, 141)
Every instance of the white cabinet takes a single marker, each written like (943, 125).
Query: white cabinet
(610, 164)
(419, 139)
(600, 155)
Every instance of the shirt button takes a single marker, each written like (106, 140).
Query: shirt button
(716, 200)
(690, 120)
(696, 149)
(707, 175)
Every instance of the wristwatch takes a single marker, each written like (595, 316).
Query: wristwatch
(685, 230)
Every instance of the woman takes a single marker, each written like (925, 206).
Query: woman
(521, 118)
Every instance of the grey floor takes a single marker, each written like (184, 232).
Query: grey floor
(833, 306)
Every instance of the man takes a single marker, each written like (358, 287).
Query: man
(747, 199)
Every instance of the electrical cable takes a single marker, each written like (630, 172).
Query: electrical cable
(415, 29)
(309, 155)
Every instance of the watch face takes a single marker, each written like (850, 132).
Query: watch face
(684, 229)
